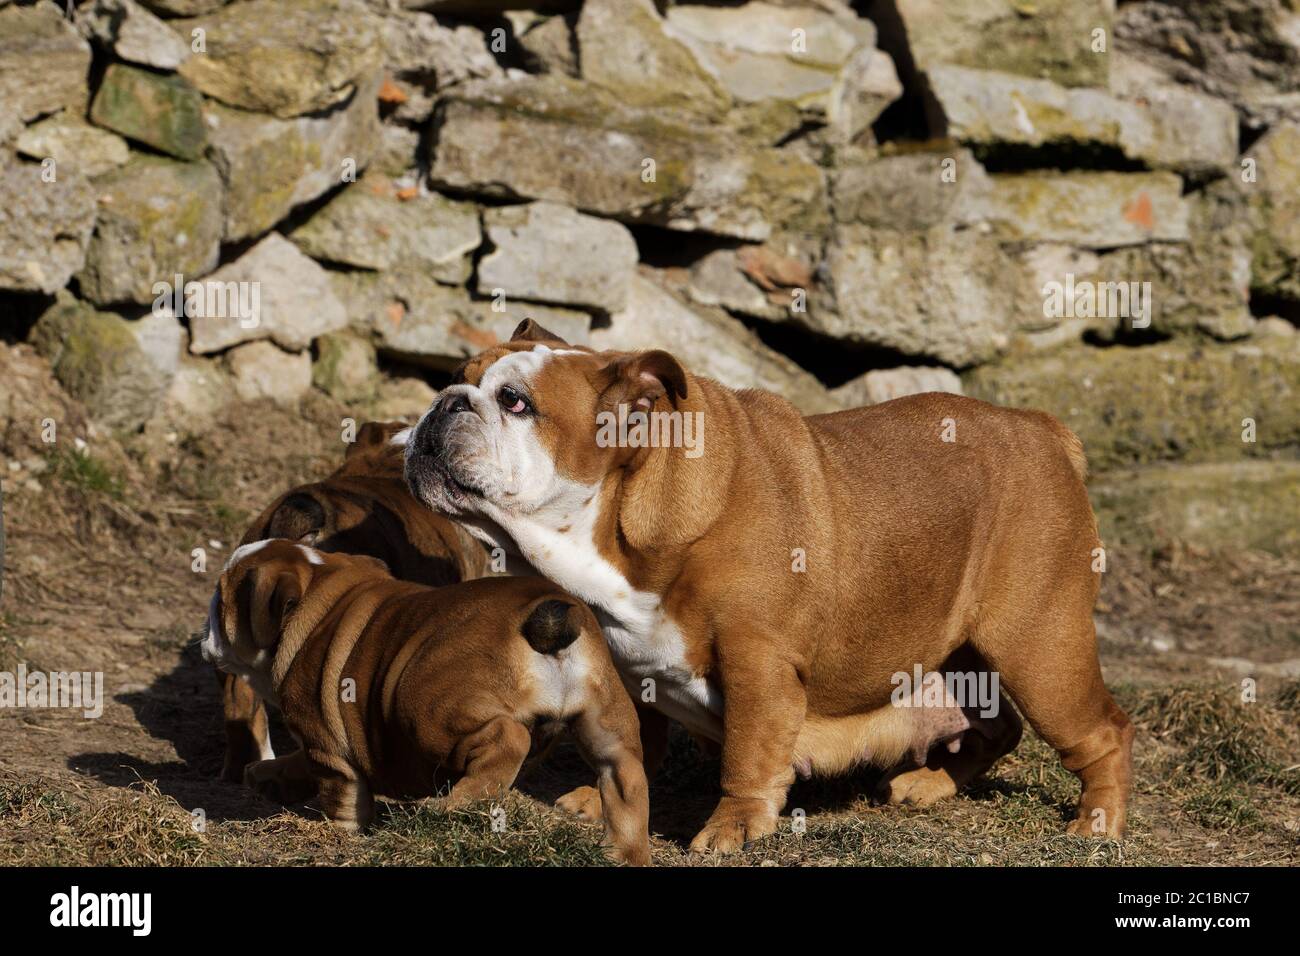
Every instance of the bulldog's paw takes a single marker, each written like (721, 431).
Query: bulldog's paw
(917, 788)
(1098, 822)
(239, 756)
(451, 801)
(454, 801)
(735, 822)
(346, 824)
(630, 855)
(582, 802)
(282, 780)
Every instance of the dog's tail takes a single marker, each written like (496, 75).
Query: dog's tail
(553, 624)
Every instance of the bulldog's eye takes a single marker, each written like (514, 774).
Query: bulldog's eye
(513, 401)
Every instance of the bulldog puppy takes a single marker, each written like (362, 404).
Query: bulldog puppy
(765, 576)
(364, 507)
(397, 688)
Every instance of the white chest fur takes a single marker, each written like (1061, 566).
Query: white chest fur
(654, 670)
(648, 648)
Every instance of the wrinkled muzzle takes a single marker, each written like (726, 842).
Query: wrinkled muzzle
(450, 458)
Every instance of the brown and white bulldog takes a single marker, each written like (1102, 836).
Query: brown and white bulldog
(364, 507)
(768, 584)
(397, 688)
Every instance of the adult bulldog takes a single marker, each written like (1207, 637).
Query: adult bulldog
(772, 581)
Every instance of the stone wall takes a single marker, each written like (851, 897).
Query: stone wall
(1088, 208)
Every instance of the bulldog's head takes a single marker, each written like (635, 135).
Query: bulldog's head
(518, 431)
(319, 512)
(255, 601)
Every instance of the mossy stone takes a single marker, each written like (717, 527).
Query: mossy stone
(1176, 401)
(157, 218)
(98, 358)
(164, 112)
(1219, 506)
(345, 367)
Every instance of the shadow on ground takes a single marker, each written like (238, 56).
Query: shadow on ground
(183, 707)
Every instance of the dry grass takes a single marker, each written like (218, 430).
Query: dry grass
(1209, 790)
(1221, 739)
(48, 826)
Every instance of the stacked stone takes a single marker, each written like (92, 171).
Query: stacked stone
(904, 195)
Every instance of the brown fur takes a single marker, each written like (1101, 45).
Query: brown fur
(396, 688)
(917, 548)
(364, 507)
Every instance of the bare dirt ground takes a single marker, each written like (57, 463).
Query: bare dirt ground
(99, 578)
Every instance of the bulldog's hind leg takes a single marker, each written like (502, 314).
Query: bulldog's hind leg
(248, 736)
(608, 738)
(584, 802)
(490, 758)
(1055, 679)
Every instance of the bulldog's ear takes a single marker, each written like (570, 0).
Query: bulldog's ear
(371, 434)
(530, 331)
(642, 379)
(300, 517)
(266, 597)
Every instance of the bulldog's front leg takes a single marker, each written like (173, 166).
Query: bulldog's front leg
(763, 710)
(247, 731)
